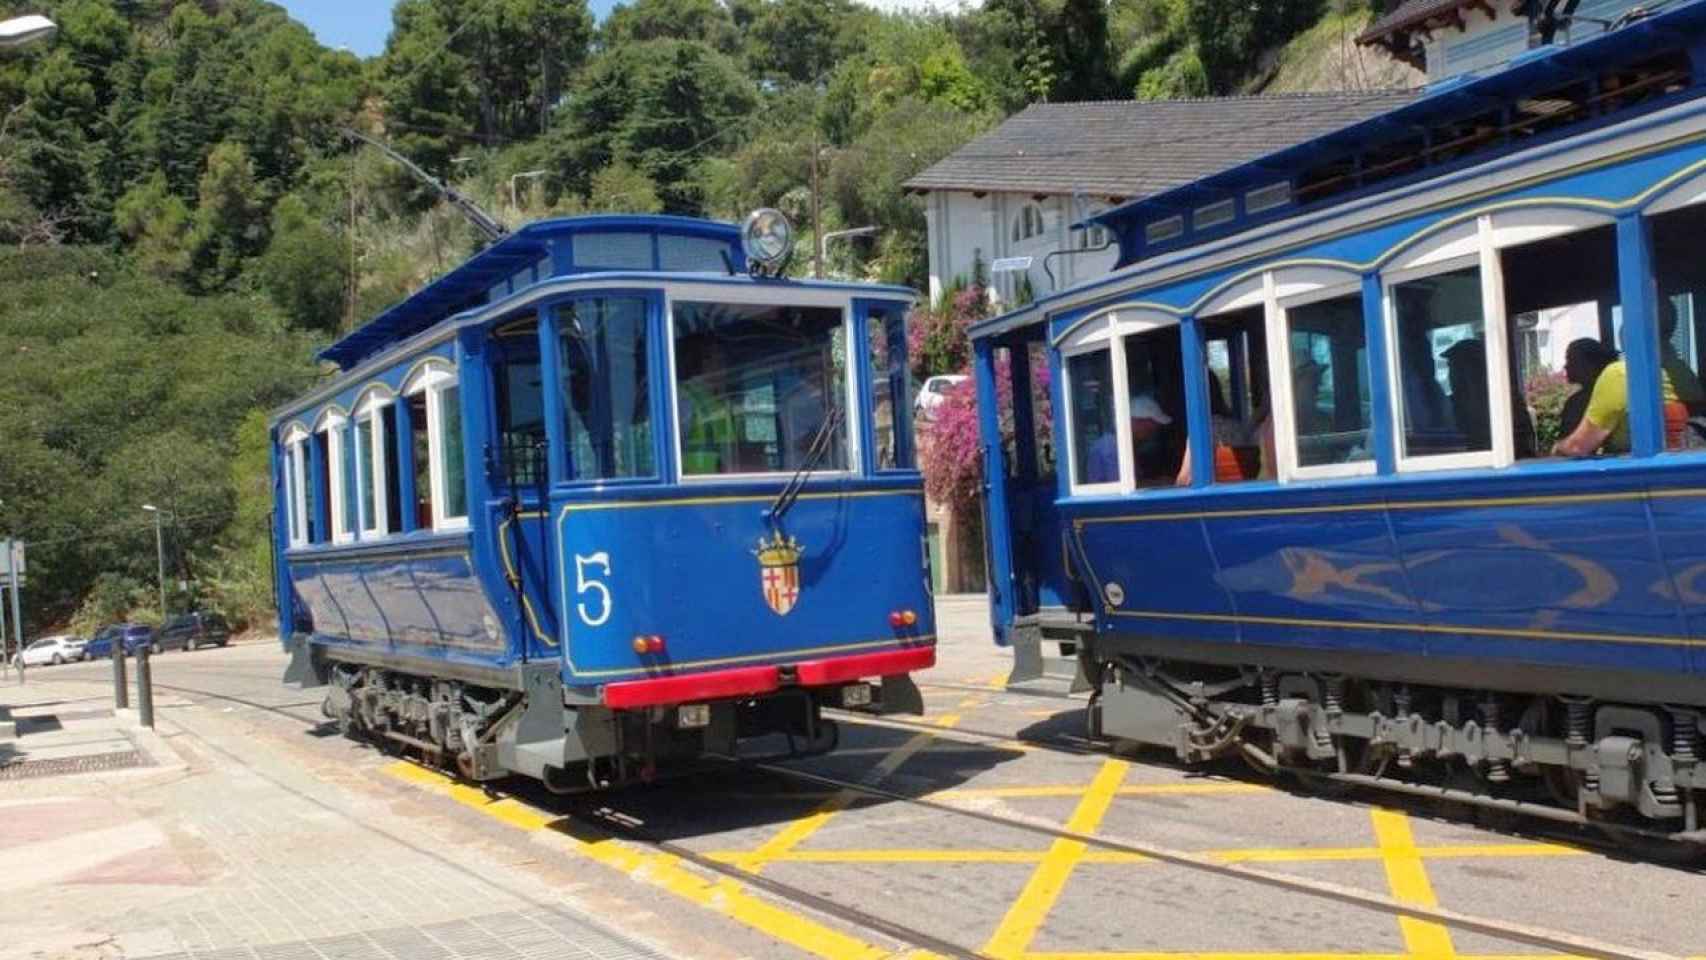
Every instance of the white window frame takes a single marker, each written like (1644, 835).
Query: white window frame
(295, 484)
(332, 425)
(430, 381)
(1430, 262)
(1283, 392)
(1108, 331)
(372, 408)
(852, 421)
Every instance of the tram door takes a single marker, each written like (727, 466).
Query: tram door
(1037, 557)
(518, 470)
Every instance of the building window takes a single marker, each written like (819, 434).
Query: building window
(606, 394)
(1090, 410)
(1027, 223)
(440, 498)
(1329, 381)
(1441, 369)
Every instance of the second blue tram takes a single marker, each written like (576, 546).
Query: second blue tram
(1307, 508)
(605, 496)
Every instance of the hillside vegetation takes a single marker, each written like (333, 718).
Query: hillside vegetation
(182, 222)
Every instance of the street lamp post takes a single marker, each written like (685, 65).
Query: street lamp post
(159, 555)
(825, 240)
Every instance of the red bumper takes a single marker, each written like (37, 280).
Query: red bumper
(754, 681)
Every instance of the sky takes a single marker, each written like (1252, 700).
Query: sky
(362, 25)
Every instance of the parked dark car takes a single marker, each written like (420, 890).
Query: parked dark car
(192, 631)
(136, 636)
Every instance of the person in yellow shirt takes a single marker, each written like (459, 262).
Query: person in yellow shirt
(1605, 425)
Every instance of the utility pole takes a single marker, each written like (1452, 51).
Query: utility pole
(817, 214)
(159, 555)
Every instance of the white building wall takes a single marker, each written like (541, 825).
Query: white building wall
(1490, 41)
(965, 229)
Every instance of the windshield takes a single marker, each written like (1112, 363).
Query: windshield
(754, 385)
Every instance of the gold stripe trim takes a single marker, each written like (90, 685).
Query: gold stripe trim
(1469, 503)
(1392, 627)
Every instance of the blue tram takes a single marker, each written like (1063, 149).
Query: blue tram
(1308, 506)
(608, 495)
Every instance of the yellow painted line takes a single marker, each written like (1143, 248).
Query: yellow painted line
(1408, 878)
(802, 829)
(1071, 790)
(1195, 955)
(890, 856)
(1025, 917)
(660, 870)
(1256, 855)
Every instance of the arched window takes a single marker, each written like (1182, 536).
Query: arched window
(435, 424)
(376, 462)
(1027, 223)
(296, 483)
(332, 434)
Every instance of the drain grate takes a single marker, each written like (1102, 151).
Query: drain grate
(65, 766)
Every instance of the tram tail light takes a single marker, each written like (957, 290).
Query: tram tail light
(897, 619)
(648, 643)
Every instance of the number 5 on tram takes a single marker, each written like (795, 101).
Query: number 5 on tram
(610, 494)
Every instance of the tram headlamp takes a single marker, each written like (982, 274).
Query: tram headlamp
(768, 239)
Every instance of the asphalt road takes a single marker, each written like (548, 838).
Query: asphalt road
(997, 890)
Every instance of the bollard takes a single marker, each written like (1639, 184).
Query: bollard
(144, 689)
(121, 696)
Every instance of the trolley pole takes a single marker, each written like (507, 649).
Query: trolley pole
(17, 608)
(144, 689)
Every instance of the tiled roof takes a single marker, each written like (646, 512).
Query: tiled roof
(1136, 148)
(1411, 13)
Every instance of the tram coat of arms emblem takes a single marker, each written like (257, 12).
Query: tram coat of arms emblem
(779, 572)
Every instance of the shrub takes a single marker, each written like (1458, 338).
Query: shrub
(1546, 393)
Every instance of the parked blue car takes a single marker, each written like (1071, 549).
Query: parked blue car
(136, 636)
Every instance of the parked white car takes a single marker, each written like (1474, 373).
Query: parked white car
(935, 390)
(51, 650)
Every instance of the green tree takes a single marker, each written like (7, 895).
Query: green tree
(662, 105)
(305, 268)
(158, 226)
(707, 21)
(230, 221)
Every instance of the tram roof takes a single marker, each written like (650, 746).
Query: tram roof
(467, 285)
(1460, 99)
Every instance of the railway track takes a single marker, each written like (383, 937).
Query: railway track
(613, 823)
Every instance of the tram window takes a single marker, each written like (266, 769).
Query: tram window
(1440, 345)
(521, 422)
(1331, 406)
(756, 385)
(1155, 382)
(605, 394)
(1095, 442)
(420, 449)
(891, 396)
(364, 478)
(323, 502)
(1235, 349)
(393, 475)
(344, 525)
(1560, 303)
(614, 251)
(680, 254)
(1681, 275)
(292, 491)
(455, 468)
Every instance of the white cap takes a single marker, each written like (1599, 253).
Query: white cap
(1145, 408)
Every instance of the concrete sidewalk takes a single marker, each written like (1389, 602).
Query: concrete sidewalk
(219, 837)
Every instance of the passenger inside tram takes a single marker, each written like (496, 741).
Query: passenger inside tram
(1584, 360)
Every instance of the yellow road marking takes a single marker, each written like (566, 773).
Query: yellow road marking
(801, 830)
(1408, 878)
(1256, 855)
(660, 870)
(1072, 790)
(1283, 956)
(1025, 917)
